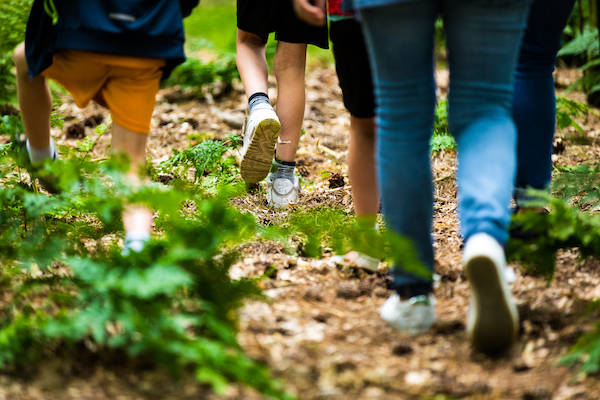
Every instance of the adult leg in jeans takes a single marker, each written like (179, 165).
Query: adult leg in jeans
(483, 39)
(400, 42)
(483, 43)
(534, 104)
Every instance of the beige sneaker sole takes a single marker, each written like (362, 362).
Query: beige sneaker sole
(495, 326)
(258, 159)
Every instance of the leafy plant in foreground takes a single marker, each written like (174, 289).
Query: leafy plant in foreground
(327, 227)
(172, 303)
(562, 228)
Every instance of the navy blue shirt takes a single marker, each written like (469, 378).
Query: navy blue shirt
(135, 28)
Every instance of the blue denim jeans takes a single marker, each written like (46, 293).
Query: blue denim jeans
(534, 104)
(483, 39)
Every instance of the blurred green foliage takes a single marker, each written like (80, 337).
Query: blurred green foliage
(581, 47)
(441, 139)
(173, 303)
(198, 76)
(215, 22)
(13, 20)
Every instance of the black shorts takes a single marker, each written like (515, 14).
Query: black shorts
(353, 68)
(262, 17)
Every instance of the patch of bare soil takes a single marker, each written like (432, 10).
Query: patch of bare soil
(320, 331)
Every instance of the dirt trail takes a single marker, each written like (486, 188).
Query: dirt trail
(320, 332)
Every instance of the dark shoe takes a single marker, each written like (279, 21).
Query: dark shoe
(518, 231)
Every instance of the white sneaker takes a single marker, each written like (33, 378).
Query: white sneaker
(357, 259)
(134, 242)
(260, 131)
(281, 192)
(413, 316)
(493, 321)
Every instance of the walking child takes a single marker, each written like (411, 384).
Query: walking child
(354, 74)
(112, 52)
(266, 131)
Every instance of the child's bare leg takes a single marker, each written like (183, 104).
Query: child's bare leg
(251, 62)
(131, 143)
(361, 166)
(289, 65)
(35, 103)
(136, 219)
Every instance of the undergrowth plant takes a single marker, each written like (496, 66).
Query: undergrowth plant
(173, 303)
(441, 139)
(331, 229)
(66, 280)
(580, 185)
(563, 227)
(566, 226)
(581, 47)
(567, 113)
(199, 76)
(586, 351)
(208, 165)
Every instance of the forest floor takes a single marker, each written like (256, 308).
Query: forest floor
(320, 331)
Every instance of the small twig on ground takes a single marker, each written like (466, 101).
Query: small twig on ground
(443, 178)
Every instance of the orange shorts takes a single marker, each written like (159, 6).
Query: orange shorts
(127, 86)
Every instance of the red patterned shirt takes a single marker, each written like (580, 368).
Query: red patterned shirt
(335, 9)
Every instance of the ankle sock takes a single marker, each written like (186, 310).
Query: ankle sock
(258, 98)
(285, 169)
(135, 241)
(39, 155)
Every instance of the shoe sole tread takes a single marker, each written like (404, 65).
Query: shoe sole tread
(495, 327)
(257, 161)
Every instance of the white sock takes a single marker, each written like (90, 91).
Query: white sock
(135, 241)
(39, 155)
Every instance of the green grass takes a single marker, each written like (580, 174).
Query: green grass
(214, 21)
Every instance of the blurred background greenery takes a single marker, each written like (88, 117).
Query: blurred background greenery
(213, 21)
(213, 24)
